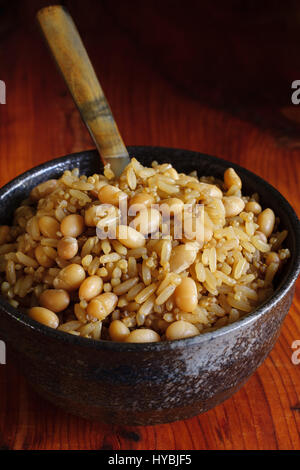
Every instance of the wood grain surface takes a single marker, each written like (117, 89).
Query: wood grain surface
(155, 103)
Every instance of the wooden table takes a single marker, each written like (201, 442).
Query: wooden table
(158, 100)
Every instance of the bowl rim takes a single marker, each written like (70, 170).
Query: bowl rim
(280, 292)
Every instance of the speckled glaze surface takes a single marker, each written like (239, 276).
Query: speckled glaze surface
(142, 384)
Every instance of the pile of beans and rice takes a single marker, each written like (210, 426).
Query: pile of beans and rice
(138, 287)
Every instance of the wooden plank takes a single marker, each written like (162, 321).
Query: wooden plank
(151, 107)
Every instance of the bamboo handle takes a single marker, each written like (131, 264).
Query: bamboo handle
(71, 57)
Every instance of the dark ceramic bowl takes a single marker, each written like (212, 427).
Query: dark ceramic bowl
(155, 382)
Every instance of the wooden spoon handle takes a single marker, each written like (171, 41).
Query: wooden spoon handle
(71, 57)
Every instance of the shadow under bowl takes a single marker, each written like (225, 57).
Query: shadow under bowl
(145, 384)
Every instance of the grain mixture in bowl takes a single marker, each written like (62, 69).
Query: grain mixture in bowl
(71, 262)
